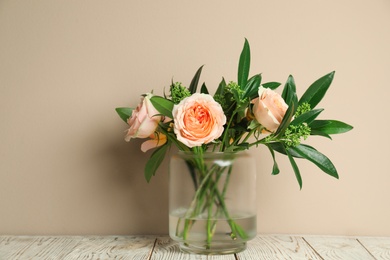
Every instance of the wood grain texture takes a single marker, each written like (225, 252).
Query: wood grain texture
(168, 249)
(278, 247)
(113, 247)
(107, 247)
(338, 248)
(28, 247)
(156, 248)
(379, 247)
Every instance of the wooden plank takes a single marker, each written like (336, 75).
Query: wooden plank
(277, 247)
(379, 247)
(76, 247)
(167, 249)
(113, 247)
(150, 248)
(34, 247)
(338, 247)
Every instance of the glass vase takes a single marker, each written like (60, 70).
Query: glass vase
(212, 201)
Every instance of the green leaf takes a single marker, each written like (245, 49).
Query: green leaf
(307, 117)
(194, 82)
(124, 112)
(319, 133)
(252, 87)
(243, 65)
(275, 168)
(287, 117)
(154, 161)
(289, 90)
(295, 168)
(317, 158)
(221, 87)
(271, 85)
(330, 127)
(314, 94)
(204, 89)
(291, 100)
(319, 123)
(279, 147)
(164, 106)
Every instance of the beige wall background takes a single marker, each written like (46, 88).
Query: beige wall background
(65, 66)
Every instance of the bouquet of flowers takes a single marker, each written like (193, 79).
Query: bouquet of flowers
(240, 115)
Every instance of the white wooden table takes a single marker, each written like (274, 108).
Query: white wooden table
(152, 247)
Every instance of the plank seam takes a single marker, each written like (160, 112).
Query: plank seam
(152, 250)
(366, 248)
(315, 251)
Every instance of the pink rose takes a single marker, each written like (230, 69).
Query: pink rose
(143, 122)
(198, 120)
(269, 109)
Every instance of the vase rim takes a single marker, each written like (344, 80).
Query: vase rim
(211, 154)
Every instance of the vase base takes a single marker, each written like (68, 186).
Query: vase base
(214, 249)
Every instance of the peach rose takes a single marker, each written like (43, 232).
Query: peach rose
(198, 120)
(143, 121)
(269, 109)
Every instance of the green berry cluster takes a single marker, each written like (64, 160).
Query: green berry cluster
(179, 92)
(295, 133)
(303, 108)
